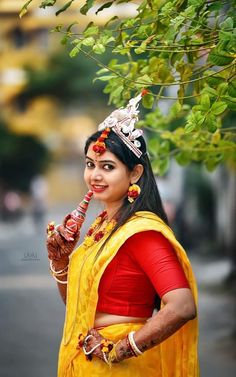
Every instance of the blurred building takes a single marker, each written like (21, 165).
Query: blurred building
(27, 43)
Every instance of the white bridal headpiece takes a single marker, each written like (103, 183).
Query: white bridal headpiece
(122, 121)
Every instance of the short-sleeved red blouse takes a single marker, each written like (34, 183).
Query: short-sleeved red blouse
(144, 266)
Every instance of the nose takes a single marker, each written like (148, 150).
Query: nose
(96, 175)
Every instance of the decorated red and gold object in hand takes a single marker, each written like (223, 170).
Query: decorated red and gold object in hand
(77, 216)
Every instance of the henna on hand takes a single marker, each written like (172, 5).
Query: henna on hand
(165, 323)
(58, 246)
(123, 351)
(92, 342)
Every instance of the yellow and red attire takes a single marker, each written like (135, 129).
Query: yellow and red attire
(127, 256)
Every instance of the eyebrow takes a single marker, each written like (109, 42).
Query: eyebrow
(102, 161)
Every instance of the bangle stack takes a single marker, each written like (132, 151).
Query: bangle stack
(132, 345)
(56, 274)
(106, 346)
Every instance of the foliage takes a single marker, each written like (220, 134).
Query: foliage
(181, 50)
(21, 158)
(64, 78)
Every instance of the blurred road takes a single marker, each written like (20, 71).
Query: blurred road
(32, 313)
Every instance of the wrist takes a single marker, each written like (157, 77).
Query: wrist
(123, 350)
(60, 263)
(59, 272)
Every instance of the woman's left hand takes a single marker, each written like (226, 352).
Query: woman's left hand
(92, 342)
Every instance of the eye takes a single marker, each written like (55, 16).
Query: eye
(89, 164)
(108, 167)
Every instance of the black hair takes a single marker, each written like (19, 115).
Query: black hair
(149, 198)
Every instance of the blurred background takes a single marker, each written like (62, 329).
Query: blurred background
(48, 107)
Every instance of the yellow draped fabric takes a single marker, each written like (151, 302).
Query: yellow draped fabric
(175, 357)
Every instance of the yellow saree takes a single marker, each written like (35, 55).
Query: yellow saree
(175, 357)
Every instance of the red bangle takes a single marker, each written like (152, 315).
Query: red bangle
(130, 347)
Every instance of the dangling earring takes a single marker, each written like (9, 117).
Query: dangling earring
(133, 192)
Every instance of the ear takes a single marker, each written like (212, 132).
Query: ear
(136, 173)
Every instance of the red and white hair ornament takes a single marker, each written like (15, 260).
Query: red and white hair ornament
(122, 121)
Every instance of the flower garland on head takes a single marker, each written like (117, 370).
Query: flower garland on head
(100, 146)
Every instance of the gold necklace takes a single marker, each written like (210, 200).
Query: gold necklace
(98, 229)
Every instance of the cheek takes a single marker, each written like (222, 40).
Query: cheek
(86, 175)
(121, 181)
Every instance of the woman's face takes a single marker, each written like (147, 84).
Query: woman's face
(107, 177)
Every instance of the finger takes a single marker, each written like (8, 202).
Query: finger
(66, 218)
(64, 233)
(94, 333)
(53, 247)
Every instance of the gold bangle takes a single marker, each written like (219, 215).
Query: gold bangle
(59, 275)
(60, 281)
(57, 272)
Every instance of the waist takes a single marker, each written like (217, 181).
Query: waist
(107, 319)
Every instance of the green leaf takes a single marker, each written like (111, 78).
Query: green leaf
(175, 109)
(212, 92)
(88, 41)
(117, 92)
(183, 158)
(71, 25)
(148, 101)
(214, 7)
(141, 49)
(104, 78)
(153, 146)
(160, 165)
(218, 107)
(219, 58)
(75, 51)
(57, 29)
(24, 9)
(205, 102)
(66, 6)
(85, 8)
(164, 147)
(91, 30)
(142, 81)
(47, 3)
(104, 6)
(64, 40)
(98, 48)
(111, 20)
(231, 103)
(232, 88)
(227, 24)
(189, 128)
(212, 162)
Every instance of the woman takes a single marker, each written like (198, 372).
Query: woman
(128, 264)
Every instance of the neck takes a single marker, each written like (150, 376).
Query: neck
(112, 209)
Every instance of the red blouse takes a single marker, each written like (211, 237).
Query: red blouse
(144, 266)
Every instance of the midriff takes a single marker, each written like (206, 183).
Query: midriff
(107, 319)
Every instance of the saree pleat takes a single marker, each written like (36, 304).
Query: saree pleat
(175, 357)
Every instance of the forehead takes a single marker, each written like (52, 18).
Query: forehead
(107, 155)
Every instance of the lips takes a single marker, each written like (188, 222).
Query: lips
(98, 188)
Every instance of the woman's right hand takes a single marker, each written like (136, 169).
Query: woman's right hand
(61, 244)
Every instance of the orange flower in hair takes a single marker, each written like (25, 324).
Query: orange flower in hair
(100, 146)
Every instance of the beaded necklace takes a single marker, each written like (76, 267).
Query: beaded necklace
(94, 234)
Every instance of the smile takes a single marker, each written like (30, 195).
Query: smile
(98, 188)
